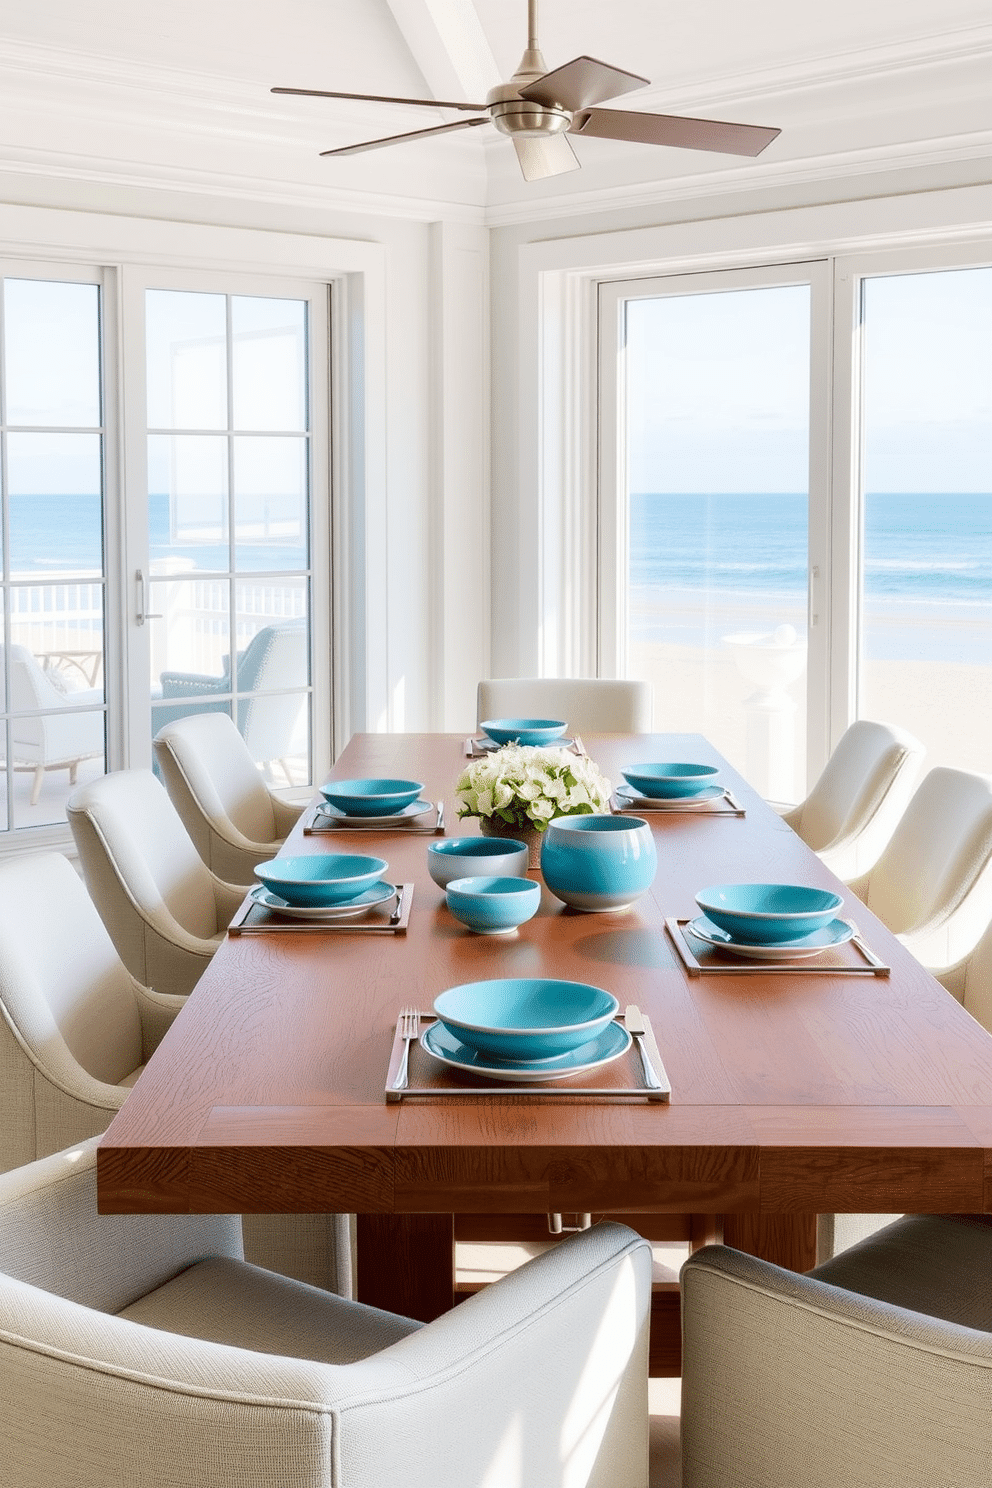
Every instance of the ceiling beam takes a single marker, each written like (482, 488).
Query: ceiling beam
(448, 44)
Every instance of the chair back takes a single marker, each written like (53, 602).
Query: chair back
(589, 705)
(275, 668)
(60, 976)
(135, 851)
(210, 776)
(861, 795)
(937, 854)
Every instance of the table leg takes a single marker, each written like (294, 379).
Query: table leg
(406, 1263)
(787, 1240)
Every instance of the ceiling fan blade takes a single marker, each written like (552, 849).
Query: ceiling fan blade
(671, 129)
(550, 155)
(472, 108)
(399, 139)
(582, 82)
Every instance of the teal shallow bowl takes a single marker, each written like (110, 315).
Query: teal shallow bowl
(671, 780)
(598, 863)
(525, 1018)
(371, 797)
(524, 730)
(769, 914)
(321, 878)
(468, 857)
(493, 906)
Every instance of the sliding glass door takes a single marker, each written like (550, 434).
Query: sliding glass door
(710, 542)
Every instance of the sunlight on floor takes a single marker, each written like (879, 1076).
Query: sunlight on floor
(664, 1401)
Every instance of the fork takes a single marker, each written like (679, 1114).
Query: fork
(409, 1028)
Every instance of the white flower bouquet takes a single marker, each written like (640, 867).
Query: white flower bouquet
(521, 786)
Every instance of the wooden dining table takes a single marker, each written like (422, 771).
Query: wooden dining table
(792, 1093)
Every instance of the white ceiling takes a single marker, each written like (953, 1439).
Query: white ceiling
(174, 95)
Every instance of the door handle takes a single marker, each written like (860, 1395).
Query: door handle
(140, 613)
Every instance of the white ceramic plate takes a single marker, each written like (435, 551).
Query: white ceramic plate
(334, 813)
(702, 797)
(837, 933)
(442, 1044)
(377, 894)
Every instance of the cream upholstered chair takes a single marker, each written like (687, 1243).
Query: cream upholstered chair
(932, 885)
(853, 809)
(75, 1027)
(55, 740)
(873, 1371)
(970, 980)
(75, 1031)
(233, 817)
(165, 911)
(590, 705)
(169, 1362)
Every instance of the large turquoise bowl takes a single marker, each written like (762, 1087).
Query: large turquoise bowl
(524, 730)
(493, 906)
(671, 780)
(371, 797)
(470, 857)
(320, 879)
(598, 863)
(525, 1018)
(768, 914)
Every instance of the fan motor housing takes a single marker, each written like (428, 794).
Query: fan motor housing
(521, 116)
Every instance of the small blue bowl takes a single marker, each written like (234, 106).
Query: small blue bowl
(493, 906)
(671, 780)
(598, 863)
(371, 797)
(524, 730)
(319, 879)
(466, 857)
(768, 914)
(525, 1018)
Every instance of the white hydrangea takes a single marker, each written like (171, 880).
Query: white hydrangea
(522, 785)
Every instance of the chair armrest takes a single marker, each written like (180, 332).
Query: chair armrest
(787, 1379)
(541, 1377)
(228, 899)
(157, 1011)
(287, 813)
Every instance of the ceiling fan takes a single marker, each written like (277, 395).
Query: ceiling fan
(537, 109)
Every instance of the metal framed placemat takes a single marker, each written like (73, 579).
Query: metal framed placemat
(726, 804)
(839, 961)
(627, 1076)
(386, 919)
(316, 821)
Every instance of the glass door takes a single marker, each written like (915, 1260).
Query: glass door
(926, 605)
(224, 596)
(711, 541)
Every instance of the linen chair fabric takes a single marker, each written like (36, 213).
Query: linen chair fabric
(75, 1027)
(165, 911)
(873, 1371)
(590, 705)
(856, 804)
(50, 741)
(175, 1363)
(234, 819)
(970, 980)
(932, 886)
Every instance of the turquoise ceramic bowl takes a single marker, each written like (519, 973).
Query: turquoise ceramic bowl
(670, 780)
(493, 906)
(524, 730)
(371, 797)
(768, 914)
(598, 863)
(468, 857)
(321, 878)
(525, 1018)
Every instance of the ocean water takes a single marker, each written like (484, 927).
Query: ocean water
(928, 570)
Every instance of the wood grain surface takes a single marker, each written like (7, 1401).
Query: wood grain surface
(790, 1094)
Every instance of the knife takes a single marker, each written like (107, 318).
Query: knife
(634, 1020)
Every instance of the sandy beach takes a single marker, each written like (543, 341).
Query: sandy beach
(948, 705)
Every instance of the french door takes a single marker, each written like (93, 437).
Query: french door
(228, 552)
(713, 508)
